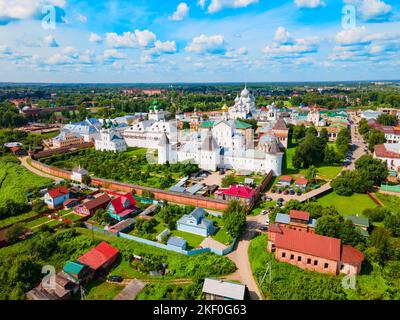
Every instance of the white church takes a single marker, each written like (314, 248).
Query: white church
(226, 144)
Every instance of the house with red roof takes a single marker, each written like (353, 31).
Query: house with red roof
(56, 197)
(301, 183)
(313, 252)
(90, 207)
(391, 154)
(297, 220)
(122, 207)
(237, 192)
(284, 181)
(101, 258)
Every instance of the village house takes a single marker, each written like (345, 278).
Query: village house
(55, 198)
(281, 132)
(297, 220)
(18, 151)
(313, 252)
(122, 207)
(361, 223)
(78, 272)
(70, 203)
(284, 181)
(301, 183)
(90, 207)
(196, 223)
(216, 289)
(237, 192)
(101, 258)
(391, 154)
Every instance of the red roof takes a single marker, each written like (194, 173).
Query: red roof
(99, 255)
(237, 191)
(118, 202)
(380, 151)
(286, 178)
(301, 181)
(273, 227)
(300, 215)
(351, 255)
(309, 243)
(15, 149)
(55, 193)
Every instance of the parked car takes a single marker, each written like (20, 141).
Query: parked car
(279, 191)
(264, 212)
(280, 200)
(273, 191)
(292, 193)
(264, 228)
(268, 199)
(267, 222)
(286, 192)
(299, 193)
(115, 279)
(90, 197)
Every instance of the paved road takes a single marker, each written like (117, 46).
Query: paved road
(358, 142)
(24, 163)
(240, 257)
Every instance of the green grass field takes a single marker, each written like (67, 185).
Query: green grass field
(193, 240)
(16, 182)
(16, 219)
(352, 205)
(324, 172)
(389, 201)
(102, 290)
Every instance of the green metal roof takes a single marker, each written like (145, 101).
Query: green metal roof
(358, 221)
(74, 268)
(242, 125)
(207, 124)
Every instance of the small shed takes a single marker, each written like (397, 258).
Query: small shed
(216, 289)
(177, 243)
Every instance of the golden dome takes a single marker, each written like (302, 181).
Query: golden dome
(225, 108)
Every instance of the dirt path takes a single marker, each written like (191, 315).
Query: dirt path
(240, 257)
(24, 163)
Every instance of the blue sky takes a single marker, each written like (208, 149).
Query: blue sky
(198, 40)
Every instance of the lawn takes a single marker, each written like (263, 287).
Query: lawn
(352, 205)
(389, 201)
(15, 219)
(136, 151)
(102, 290)
(37, 222)
(263, 205)
(324, 172)
(73, 217)
(193, 240)
(16, 182)
(222, 236)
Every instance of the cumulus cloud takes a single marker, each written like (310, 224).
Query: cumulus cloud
(126, 40)
(310, 4)
(94, 37)
(145, 38)
(23, 9)
(371, 9)
(207, 45)
(201, 3)
(113, 54)
(181, 12)
(218, 5)
(168, 47)
(81, 18)
(50, 41)
(70, 56)
(359, 45)
(286, 47)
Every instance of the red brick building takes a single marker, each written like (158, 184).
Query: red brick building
(313, 252)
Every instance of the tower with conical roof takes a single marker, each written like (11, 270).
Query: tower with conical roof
(155, 113)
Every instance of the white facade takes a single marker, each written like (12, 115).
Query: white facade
(315, 118)
(211, 155)
(147, 134)
(110, 140)
(245, 106)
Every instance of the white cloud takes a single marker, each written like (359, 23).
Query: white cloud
(207, 44)
(50, 41)
(94, 37)
(218, 5)
(352, 36)
(371, 9)
(126, 40)
(165, 47)
(113, 54)
(286, 47)
(281, 35)
(201, 3)
(311, 4)
(145, 38)
(181, 12)
(23, 9)
(81, 18)
(70, 56)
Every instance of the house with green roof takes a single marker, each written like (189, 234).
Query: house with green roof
(361, 223)
(78, 272)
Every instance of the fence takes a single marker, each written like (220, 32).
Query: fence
(388, 188)
(186, 199)
(161, 245)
